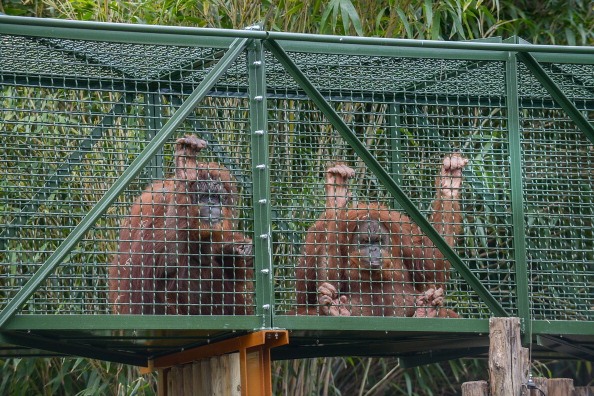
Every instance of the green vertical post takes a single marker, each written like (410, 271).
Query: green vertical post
(154, 123)
(517, 195)
(261, 183)
(394, 122)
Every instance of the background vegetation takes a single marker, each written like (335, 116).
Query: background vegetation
(538, 21)
(543, 22)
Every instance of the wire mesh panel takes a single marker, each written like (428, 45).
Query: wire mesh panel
(177, 240)
(337, 217)
(559, 195)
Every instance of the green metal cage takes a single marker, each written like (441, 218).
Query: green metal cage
(90, 114)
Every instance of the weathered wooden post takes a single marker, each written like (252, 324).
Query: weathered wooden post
(584, 391)
(508, 361)
(560, 387)
(475, 388)
(540, 387)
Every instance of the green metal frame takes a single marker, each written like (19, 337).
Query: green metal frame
(253, 43)
(261, 177)
(513, 109)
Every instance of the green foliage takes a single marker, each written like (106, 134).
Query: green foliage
(540, 22)
(337, 11)
(551, 21)
(70, 376)
(370, 377)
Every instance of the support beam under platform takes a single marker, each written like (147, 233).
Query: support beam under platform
(223, 365)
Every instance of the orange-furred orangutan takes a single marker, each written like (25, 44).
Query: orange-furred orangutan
(179, 251)
(367, 260)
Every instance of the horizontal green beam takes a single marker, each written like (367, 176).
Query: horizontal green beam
(149, 322)
(376, 168)
(567, 327)
(434, 44)
(118, 32)
(113, 32)
(383, 324)
(311, 47)
(130, 322)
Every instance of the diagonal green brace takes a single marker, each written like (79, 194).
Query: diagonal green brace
(235, 49)
(383, 176)
(558, 96)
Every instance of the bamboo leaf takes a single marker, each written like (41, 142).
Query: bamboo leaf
(349, 10)
(325, 15)
(404, 20)
(436, 27)
(428, 11)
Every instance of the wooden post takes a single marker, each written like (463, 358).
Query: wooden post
(584, 391)
(541, 387)
(161, 382)
(475, 388)
(508, 361)
(560, 387)
(238, 366)
(187, 377)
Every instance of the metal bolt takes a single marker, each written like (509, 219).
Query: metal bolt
(265, 271)
(264, 236)
(259, 98)
(266, 307)
(257, 63)
(261, 166)
(263, 202)
(259, 132)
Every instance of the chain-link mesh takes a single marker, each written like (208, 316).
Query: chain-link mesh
(63, 148)
(558, 199)
(409, 130)
(75, 114)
